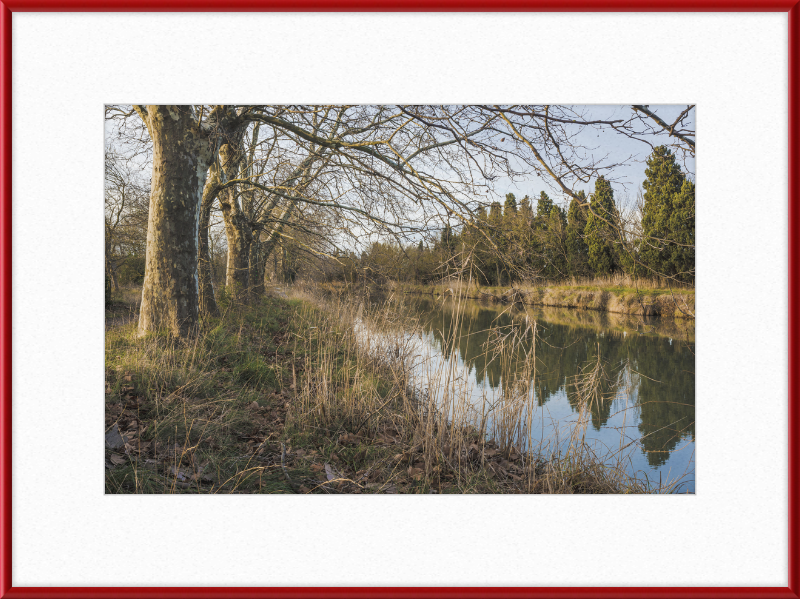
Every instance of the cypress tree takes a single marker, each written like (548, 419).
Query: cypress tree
(664, 180)
(495, 212)
(525, 211)
(540, 241)
(510, 206)
(522, 234)
(577, 250)
(600, 230)
(544, 205)
(447, 237)
(557, 252)
(497, 235)
(681, 228)
(480, 248)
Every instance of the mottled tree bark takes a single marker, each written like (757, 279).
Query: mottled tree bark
(258, 266)
(237, 227)
(208, 303)
(181, 157)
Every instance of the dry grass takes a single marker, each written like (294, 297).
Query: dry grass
(617, 294)
(325, 395)
(413, 425)
(617, 282)
(625, 282)
(199, 415)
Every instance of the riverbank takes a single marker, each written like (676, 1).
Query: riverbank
(618, 299)
(284, 396)
(610, 323)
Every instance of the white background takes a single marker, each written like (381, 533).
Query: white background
(733, 532)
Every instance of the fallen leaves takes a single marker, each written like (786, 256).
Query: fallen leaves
(114, 440)
(416, 473)
(349, 439)
(331, 473)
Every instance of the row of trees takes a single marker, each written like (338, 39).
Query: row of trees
(656, 374)
(313, 182)
(540, 240)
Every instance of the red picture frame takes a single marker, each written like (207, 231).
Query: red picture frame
(7, 7)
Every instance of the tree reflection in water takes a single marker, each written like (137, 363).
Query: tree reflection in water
(649, 365)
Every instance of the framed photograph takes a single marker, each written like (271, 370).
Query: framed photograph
(446, 256)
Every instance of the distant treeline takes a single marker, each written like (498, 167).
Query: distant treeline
(537, 240)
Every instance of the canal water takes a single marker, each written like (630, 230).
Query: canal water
(643, 406)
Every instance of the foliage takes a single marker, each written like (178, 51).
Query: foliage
(668, 217)
(601, 230)
(131, 271)
(577, 249)
(514, 244)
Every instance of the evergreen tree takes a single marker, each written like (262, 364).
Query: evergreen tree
(497, 234)
(664, 180)
(539, 257)
(525, 211)
(544, 205)
(510, 207)
(524, 243)
(481, 256)
(556, 247)
(495, 212)
(601, 232)
(558, 218)
(577, 250)
(447, 245)
(681, 228)
(447, 238)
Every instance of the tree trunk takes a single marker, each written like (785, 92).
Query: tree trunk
(238, 268)
(208, 303)
(258, 265)
(237, 228)
(181, 157)
(284, 272)
(275, 235)
(269, 244)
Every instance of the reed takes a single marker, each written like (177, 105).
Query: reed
(375, 384)
(339, 393)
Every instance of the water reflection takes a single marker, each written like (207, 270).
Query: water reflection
(649, 370)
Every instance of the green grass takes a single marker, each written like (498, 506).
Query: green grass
(189, 404)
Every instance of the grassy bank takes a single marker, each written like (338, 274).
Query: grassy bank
(620, 295)
(297, 396)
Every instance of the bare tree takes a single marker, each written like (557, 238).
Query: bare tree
(393, 171)
(126, 206)
(185, 143)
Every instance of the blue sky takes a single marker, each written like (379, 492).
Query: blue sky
(618, 148)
